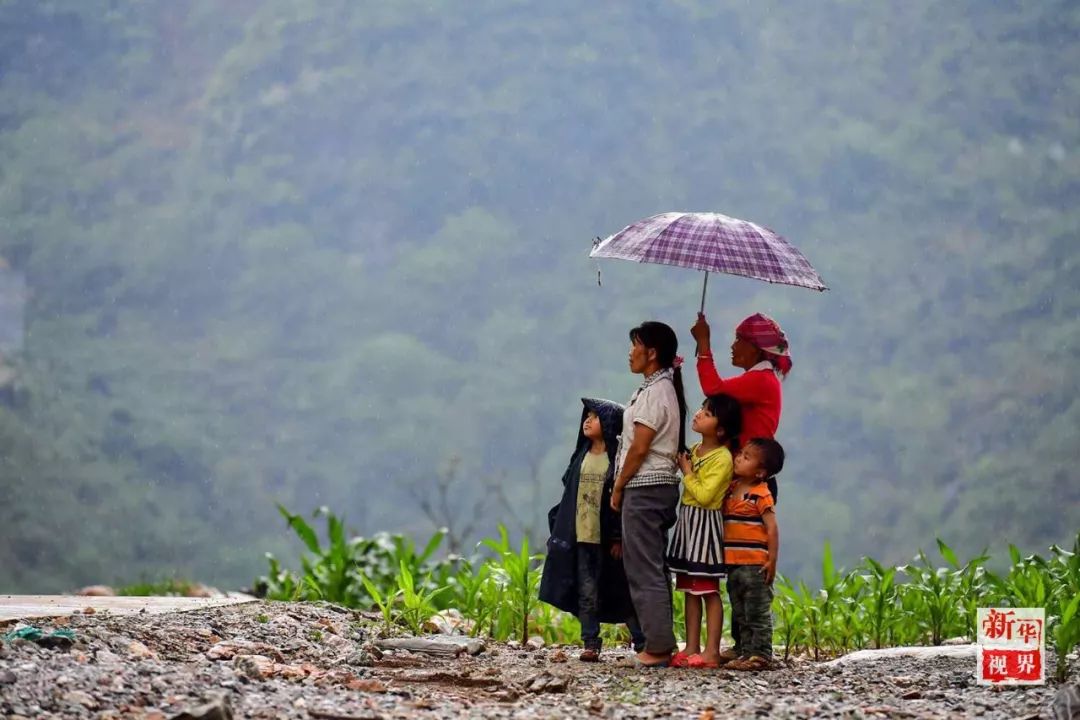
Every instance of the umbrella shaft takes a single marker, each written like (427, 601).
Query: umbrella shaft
(704, 287)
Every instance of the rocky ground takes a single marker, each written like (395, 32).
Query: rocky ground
(286, 660)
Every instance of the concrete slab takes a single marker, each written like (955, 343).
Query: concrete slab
(919, 652)
(27, 607)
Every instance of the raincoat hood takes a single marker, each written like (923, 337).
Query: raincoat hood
(611, 416)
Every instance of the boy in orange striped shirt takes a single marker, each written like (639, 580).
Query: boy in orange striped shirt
(751, 548)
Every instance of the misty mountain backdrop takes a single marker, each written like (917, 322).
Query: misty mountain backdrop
(335, 253)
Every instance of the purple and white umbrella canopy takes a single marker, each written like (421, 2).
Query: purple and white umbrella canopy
(714, 243)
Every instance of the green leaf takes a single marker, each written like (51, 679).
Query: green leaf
(301, 528)
(1069, 613)
(828, 569)
(433, 544)
(947, 553)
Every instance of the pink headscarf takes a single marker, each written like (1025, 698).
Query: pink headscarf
(765, 334)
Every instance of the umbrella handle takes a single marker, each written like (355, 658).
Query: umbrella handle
(704, 287)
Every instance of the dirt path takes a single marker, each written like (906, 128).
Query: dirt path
(21, 607)
(286, 660)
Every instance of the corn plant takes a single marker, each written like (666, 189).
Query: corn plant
(837, 605)
(417, 604)
(975, 586)
(849, 626)
(385, 604)
(517, 572)
(326, 575)
(466, 592)
(1066, 636)
(279, 583)
(556, 626)
(334, 571)
(1027, 584)
(789, 612)
(1052, 584)
(880, 600)
(931, 597)
(1064, 570)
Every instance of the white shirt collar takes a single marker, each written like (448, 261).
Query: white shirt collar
(766, 365)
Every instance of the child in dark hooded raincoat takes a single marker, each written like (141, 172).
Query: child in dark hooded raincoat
(583, 573)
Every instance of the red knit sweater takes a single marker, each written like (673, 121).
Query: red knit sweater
(758, 391)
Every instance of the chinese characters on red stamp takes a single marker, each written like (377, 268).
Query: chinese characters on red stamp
(1011, 646)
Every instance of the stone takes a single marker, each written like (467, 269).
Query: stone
(912, 695)
(1067, 703)
(363, 685)
(228, 649)
(959, 640)
(508, 695)
(96, 591)
(449, 622)
(435, 645)
(546, 682)
(137, 649)
(364, 657)
(290, 672)
(198, 590)
(78, 697)
(559, 656)
(7, 677)
(217, 708)
(535, 643)
(256, 667)
(106, 657)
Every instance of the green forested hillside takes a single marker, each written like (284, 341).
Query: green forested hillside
(336, 253)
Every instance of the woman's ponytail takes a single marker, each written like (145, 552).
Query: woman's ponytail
(681, 396)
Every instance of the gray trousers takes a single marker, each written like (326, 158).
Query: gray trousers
(647, 515)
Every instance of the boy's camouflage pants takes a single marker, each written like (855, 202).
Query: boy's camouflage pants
(751, 607)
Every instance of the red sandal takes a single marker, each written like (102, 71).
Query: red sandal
(679, 660)
(698, 662)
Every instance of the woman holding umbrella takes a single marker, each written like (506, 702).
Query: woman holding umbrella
(761, 350)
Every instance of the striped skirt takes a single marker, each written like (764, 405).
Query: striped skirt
(697, 544)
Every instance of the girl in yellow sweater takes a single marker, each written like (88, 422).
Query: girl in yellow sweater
(696, 553)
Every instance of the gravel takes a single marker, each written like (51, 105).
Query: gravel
(317, 661)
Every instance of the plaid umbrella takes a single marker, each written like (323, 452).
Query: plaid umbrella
(714, 243)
